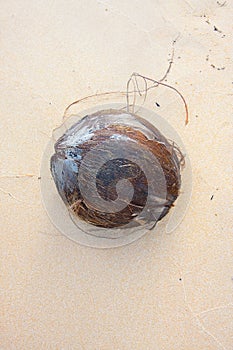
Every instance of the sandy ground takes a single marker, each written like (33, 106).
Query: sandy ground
(163, 292)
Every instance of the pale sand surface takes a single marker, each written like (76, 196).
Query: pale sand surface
(163, 292)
